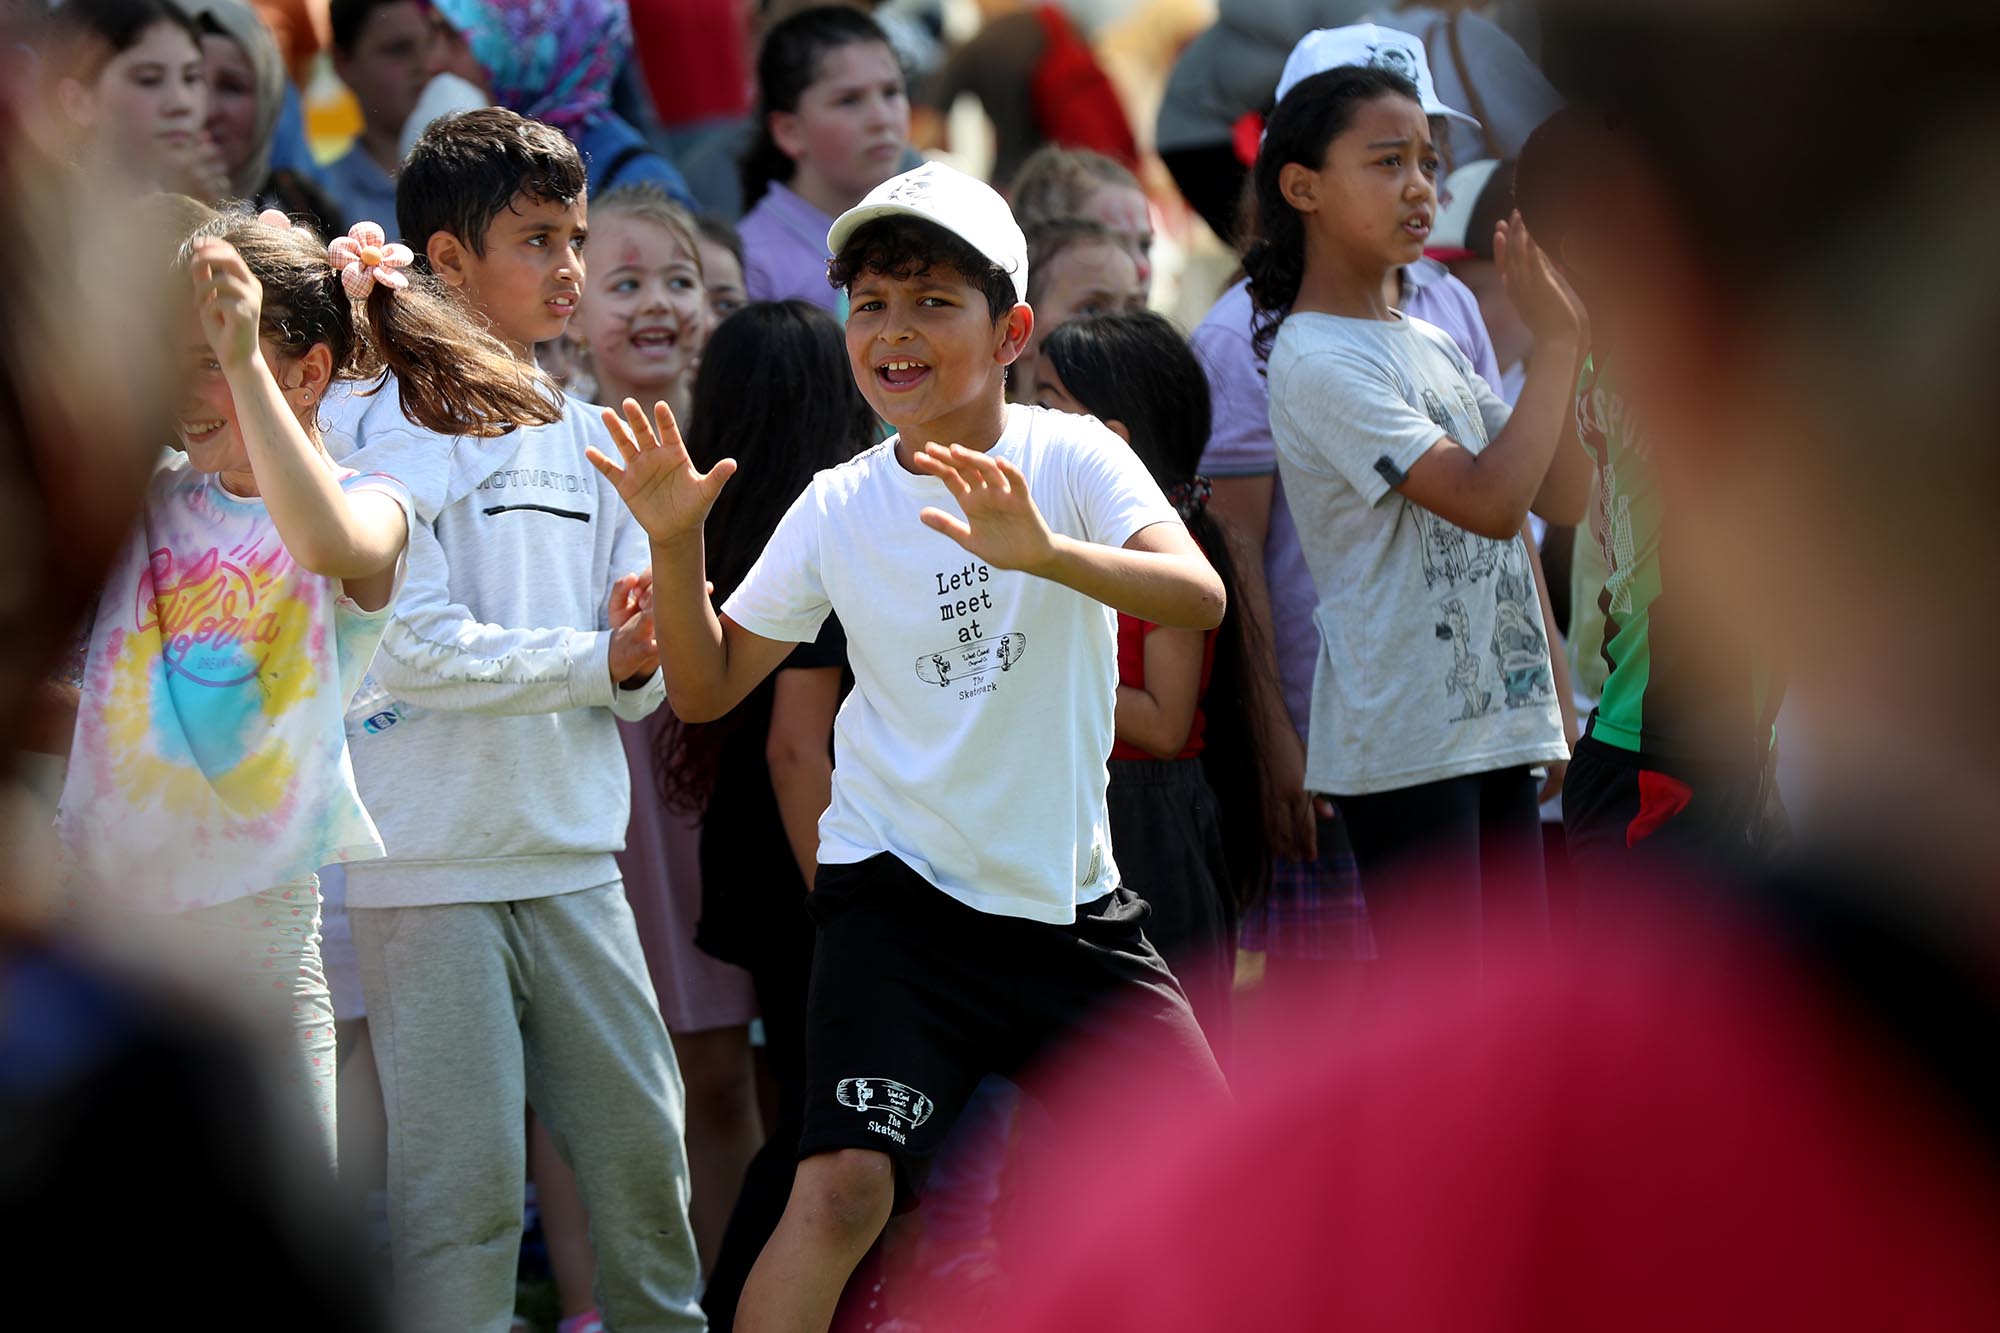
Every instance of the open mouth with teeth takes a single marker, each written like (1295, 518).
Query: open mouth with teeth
(1418, 225)
(654, 339)
(562, 303)
(200, 432)
(899, 375)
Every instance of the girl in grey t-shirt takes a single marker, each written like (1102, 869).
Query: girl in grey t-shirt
(1433, 696)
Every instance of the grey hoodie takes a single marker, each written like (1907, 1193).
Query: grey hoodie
(484, 742)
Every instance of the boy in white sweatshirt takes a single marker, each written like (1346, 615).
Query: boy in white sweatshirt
(498, 955)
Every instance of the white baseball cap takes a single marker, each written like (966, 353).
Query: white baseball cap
(1369, 45)
(963, 205)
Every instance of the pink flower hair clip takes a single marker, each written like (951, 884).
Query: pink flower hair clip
(364, 258)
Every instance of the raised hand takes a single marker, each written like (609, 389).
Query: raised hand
(1001, 524)
(658, 481)
(228, 300)
(1547, 305)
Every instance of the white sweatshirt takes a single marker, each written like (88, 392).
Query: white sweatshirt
(484, 742)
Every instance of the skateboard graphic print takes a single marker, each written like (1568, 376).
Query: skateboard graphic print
(967, 664)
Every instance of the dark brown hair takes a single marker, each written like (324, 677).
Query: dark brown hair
(451, 377)
(468, 169)
(902, 247)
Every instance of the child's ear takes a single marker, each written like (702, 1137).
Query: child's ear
(78, 102)
(1014, 330)
(310, 372)
(787, 133)
(1299, 184)
(446, 256)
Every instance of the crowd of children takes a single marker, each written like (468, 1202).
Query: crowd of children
(731, 691)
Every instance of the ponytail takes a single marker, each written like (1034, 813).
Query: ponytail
(1313, 114)
(787, 65)
(452, 376)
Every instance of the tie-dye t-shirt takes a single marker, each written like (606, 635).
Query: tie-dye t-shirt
(210, 760)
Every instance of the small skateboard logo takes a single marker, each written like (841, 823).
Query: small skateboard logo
(962, 665)
(905, 1107)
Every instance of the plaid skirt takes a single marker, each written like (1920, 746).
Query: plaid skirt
(1314, 911)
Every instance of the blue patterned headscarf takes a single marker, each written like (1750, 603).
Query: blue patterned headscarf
(553, 60)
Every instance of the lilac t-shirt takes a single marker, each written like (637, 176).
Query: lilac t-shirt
(1240, 445)
(784, 251)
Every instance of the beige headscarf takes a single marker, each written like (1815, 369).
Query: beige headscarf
(241, 24)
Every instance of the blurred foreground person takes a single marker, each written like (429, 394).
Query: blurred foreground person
(124, 1111)
(1752, 1105)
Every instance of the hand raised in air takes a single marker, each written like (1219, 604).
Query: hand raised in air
(1001, 524)
(659, 482)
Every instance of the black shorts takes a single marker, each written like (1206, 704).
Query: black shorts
(916, 997)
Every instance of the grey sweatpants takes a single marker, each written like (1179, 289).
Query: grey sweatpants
(476, 1007)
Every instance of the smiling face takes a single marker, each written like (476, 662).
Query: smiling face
(206, 422)
(529, 281)
(850, 128)
(149, 101)
(1375, 195)
(232, 99)
(644, 313)
(929, 356)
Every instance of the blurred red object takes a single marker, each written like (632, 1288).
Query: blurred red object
(1704, 1117)
(1075, 104)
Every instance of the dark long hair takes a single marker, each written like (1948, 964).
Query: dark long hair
(775, 393)
(787, 65)
(1135, 367)
(452, 377)
(1312, 116)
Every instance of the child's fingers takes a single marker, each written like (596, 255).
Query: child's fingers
(612, 472)
(1015, 480)
(628, 449)
(711, 483)
(939, 521)
(669, 429)
(642, 428)
(986, 468)
(944, 470)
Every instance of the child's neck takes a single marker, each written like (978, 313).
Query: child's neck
(678, 395)
(1336, 284)
(815, 189)
(978, 428)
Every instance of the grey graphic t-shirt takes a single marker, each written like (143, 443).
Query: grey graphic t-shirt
(1433, 662)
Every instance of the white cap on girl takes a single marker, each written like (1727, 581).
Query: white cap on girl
(963, 205)
(1369, 45)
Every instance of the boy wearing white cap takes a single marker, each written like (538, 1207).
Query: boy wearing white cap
(968, 906)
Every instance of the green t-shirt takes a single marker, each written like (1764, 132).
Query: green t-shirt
(1676, 687)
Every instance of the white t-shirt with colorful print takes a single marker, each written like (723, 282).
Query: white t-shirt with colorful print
(210, 761)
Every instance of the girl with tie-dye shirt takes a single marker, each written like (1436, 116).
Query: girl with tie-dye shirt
(209, 776)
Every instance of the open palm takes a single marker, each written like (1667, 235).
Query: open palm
(1001, 524)
(658, 481)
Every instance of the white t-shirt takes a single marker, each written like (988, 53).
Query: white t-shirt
(1433, 659)
(210, 759)
(974, 741)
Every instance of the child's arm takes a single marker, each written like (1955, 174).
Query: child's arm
(327, 530)
(796, 750)
(1158, 717)
(1489, 492)
(1158, 575)
(710, 662)
(437, 654)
